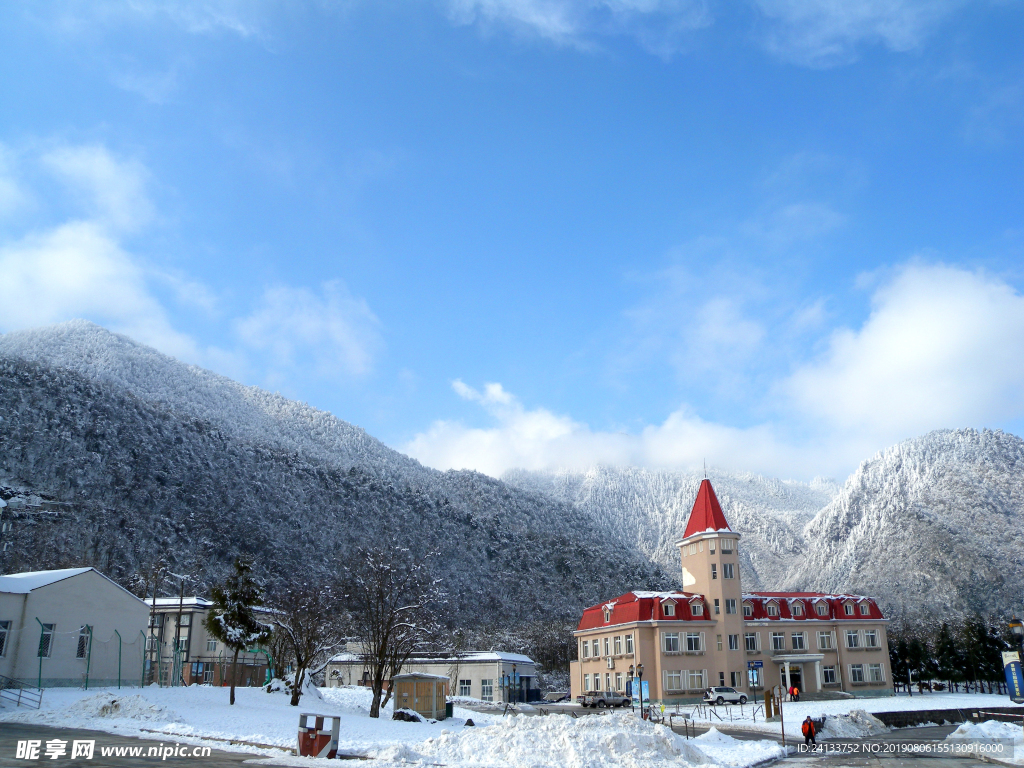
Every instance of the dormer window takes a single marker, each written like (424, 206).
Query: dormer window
(865, 609)
(669, 609)
(822, 609)
(697, 609)
(848, 609)
(773, 609)
(748, 610)
(607, 614)
(798, 609)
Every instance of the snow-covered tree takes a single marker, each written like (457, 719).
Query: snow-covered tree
(394, 602)
(309, 618)
(233, 620)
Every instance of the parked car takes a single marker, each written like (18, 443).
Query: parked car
(602, 699)
(721, 695)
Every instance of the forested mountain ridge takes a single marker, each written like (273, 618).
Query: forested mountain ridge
(123, 475)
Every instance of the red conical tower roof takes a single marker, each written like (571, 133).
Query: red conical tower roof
(706, 513)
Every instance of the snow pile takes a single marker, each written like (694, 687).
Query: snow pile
(990, 729)
(725, 750)
(560, 741)
(857, 724)
(120, 707)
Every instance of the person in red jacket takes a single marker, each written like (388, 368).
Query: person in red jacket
(808, 731)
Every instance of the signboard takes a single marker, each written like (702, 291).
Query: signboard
(634, 688)
(1014, 676)
(646, 693)
(755, 664)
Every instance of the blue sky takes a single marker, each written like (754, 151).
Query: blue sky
(777, 235)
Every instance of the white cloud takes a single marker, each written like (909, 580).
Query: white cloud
(113, 189)
(659, 25)
(333, 331)
(827, 32)
(943, 347)
(78, 270)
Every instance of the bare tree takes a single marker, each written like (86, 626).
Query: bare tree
(392, 597)
(308, 619)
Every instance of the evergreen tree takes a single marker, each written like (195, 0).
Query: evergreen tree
(948, 657)
(232, 620)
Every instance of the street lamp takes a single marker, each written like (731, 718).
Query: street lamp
(515, 693)
(1017, 630)
(639, 669)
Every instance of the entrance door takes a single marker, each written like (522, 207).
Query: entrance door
(795, 677)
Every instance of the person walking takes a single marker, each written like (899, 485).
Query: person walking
(808, 730)
(796, 693)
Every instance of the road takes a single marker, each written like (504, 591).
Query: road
(12, 733)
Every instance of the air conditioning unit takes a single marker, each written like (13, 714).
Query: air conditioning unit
(611, 662)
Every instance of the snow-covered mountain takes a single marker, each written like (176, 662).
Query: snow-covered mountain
(932, 525)
(114, 455)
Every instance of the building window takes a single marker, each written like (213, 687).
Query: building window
(719, 642)
(695, 679)
(750, 640)
(848, 608)
(714, 571)
(697, 609)
(155, 619)
(596, 645)
(629, 644)
(487, 687)
(693, 643)
(852, 640)
(669, 609)
(211, 645)
(828, 675)
(875, 674)
(46, 641)
(607, 681)
(183, 643)
(865, 609)
(673, 680)
(670, 642)
(5, 628)
(152, 644)
(718, 607)
(711, 546)
(721, 678)
(586, 649)
(870, 638)
(856, 673)
(822, 609)
(727, 546)
(734, 679)
(728, 571)
(586, 684)
(618, 645)
(824, 641)
(778, 641)
(798, 641)
(83, 642)
(618, 681)
(773, 609)
(798, 609)
(734, 642)
(465, 687)
(185, 620)
(730, 605)
(607, 646)
(607, 614)
(748, 610)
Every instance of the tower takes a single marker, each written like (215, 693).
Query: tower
(709, 552)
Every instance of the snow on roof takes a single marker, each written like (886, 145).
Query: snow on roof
(516, 658)
(497, 656)
(173, 602)
(642, 595)
(23, 583)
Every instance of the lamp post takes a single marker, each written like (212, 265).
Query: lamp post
(1017, 630)
(515, 685)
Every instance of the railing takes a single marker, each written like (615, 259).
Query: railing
(20, 695)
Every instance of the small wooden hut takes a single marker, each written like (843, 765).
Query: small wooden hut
(422, 693)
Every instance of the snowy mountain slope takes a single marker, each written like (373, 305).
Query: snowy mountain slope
(249, 413)
(648, 509)
(132, 469)
(931, 525)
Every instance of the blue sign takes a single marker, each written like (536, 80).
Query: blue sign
(1014, 676)
(646, 693)
(634, 689)
(755, 664)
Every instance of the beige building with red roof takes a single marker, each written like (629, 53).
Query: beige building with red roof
(715, 634)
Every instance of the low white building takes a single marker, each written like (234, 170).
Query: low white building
(70, 627)
(478, 674)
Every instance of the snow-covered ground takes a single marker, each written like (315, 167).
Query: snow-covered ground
(992, 729)
(840, 722)
(202, 715)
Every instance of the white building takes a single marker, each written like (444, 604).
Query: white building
(70, 627)
(478, 674)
